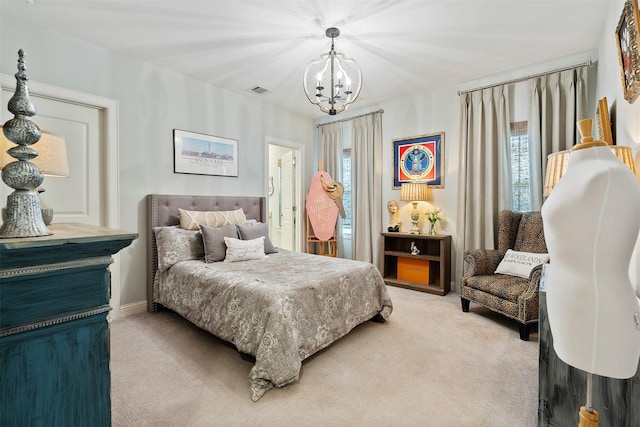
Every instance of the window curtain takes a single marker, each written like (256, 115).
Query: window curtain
(484, 169)
(330, 155)
(366, 186)
(558, 101)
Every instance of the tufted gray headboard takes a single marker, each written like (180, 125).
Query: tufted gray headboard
(162, 210)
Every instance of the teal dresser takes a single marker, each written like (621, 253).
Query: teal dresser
(54, 335)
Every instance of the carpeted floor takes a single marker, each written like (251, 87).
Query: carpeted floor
(430, 364)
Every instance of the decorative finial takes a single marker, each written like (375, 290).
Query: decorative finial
(585, 127)
(23, 214)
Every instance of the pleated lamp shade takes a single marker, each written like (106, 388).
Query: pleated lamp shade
(52, 154)
(557, 165)
(414, 192)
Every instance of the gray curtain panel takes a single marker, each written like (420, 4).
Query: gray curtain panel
(366, 186)
(558, 101)
(484, 172)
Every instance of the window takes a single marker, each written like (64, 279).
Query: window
(520, 177)
(346, 183)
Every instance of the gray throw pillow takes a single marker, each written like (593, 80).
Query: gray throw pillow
(213, 237)
(250, 232)
(176, 244)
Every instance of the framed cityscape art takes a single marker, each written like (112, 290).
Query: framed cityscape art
(419, 159)
(200, 154)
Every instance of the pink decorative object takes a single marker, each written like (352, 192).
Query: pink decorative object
(322, 209)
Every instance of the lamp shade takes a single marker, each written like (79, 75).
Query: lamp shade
(414, 192)
(557, 165)
(52, 154)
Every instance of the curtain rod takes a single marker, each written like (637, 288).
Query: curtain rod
(521, 79)
(351, 118)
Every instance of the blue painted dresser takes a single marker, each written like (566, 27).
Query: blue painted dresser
(54, 335)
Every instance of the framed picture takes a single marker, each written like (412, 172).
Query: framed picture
(604, 124)
(200, 154)
(419, 159)
(628, 43)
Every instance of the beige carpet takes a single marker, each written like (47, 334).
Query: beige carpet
(429, 365)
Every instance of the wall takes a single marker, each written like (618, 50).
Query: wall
(625, 117)
(439, 111)
(152, 102)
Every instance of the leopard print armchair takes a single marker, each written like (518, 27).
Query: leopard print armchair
(514, 297)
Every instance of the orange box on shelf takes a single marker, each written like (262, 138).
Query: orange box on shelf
(413, 270)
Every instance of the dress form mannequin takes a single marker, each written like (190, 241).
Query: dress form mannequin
(591, 223)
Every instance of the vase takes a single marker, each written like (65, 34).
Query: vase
(432, 228)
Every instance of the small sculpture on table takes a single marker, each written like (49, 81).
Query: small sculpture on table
(394, 217)
(414, 249)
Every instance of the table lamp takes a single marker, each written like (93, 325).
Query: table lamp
(414, 192)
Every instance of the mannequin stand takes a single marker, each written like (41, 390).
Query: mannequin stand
(588, 416)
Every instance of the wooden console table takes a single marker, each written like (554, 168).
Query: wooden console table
(54, 335)
(434, 256)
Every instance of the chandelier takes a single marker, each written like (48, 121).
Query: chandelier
(333, 81)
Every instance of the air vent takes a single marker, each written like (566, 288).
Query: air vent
(259, 90)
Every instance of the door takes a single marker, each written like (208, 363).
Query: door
(79, 197)
(288, 233)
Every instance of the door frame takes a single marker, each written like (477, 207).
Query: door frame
(109, 110)
(300, 162)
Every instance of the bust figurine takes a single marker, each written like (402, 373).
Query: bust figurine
(394, 217)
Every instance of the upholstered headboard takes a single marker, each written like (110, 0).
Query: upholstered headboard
(162, 210)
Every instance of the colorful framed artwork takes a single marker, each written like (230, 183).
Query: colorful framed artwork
(628, 43)
(419, 159)
(200, 154)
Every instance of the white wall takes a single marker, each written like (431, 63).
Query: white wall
(439, 111)
(625, 117)
(152, 102)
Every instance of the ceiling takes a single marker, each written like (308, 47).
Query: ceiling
(404, 47)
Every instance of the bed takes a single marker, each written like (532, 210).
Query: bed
(280, 309)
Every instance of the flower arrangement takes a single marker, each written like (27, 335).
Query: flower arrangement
(433, 216)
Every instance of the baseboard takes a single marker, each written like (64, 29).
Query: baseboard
(132, 308)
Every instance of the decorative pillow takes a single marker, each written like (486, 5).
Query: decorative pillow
(175, 244)
(213, 238)
(190, 220)
(248, 232)
(520, 264)
(244, 250)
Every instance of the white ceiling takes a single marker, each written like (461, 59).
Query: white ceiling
(404, 47)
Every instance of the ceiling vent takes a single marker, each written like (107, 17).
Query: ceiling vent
(259, 90)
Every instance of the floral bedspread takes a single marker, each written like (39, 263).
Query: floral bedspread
(280, 309)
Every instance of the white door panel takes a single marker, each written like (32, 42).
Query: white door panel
(288, 199)
(79, 197)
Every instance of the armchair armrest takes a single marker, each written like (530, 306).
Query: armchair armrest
(529, 300)
(482, 261)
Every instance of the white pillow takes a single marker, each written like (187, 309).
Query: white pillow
(190, 220)
(244, 250)
(520, 264)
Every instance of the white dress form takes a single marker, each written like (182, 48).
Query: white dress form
(591, 223)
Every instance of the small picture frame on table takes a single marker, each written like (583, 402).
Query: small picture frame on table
(201, 154)
(419, 159)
